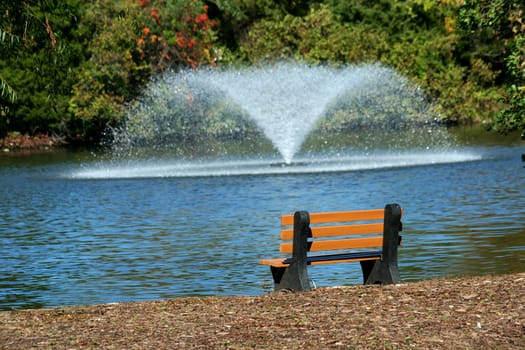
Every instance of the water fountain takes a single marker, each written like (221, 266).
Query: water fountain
(302, 118)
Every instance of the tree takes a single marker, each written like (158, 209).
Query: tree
(496, 32)
(36, 63)
(318, 37)
(129, 42)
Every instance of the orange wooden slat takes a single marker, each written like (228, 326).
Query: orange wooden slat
(330, 231)
(337, 244)
(278, 262)
(287, 220)
(349, 243)
(286, 248)
(287, 235)
(340, 230)
(339, 216)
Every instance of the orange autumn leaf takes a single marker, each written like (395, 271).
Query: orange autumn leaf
(201, 18)
(181, 41)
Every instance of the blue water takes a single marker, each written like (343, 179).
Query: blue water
(74, 232)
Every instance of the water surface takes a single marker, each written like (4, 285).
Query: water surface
(68, 239)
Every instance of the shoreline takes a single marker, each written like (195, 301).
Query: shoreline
(472, 312)
(21, 143)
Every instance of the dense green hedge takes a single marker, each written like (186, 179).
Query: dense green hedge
(70, 67)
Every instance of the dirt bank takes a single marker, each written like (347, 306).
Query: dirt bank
(22, 142)
(485, 312)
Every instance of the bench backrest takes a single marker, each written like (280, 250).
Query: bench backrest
(337, 230)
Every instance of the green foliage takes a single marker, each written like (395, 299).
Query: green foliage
(323, 39)
(461, 95)
(71, 67)
(513, 118)
(495, 31)
(6, 91)
(395, 17)
(130, 42)
(110, 75)
(319, 37)
(37, 63)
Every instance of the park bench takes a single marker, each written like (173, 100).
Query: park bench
(334, 237)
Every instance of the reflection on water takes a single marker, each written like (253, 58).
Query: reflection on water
(81, 241)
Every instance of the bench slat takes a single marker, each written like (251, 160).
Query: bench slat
(338, 244)
(339, 216)
(277, 262)
(330, 231)
(326, 259)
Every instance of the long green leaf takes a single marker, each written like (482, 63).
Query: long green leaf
(6, 90)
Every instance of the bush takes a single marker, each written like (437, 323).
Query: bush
(319, 37)
(129, 43)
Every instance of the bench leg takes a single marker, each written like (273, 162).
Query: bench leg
(367, 266)
(290, 278)
(385, 271)
(294, 277)
(382, 273)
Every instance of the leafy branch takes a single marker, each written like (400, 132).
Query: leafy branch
(5, 89)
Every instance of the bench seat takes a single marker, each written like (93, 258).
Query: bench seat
(326, 259)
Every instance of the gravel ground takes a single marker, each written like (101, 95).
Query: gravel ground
(482, 312)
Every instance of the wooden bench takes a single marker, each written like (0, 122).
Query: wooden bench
(338, 237)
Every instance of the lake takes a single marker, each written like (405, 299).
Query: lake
(75, 230)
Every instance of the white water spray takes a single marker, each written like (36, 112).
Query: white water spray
(373, 116)
(286, 100)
